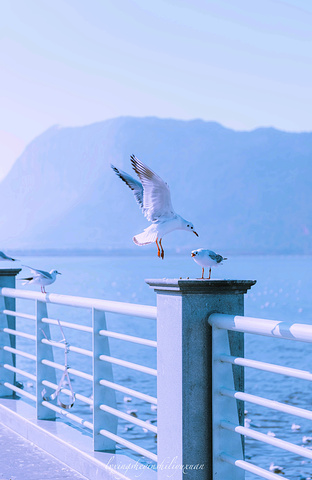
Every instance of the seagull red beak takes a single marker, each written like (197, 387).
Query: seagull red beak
(195, 233)
(192, 254)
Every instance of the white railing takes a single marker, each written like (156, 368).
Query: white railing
(105, 411)
(228, 458)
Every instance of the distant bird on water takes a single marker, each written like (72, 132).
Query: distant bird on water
(276, 468)
(153, 196)
(207, 258)
(4, 257)
(40, 277)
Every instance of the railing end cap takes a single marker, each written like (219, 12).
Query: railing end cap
(200, 286)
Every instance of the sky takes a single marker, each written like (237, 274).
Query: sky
(244, 64)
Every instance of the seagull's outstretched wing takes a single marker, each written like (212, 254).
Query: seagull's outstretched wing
(156, 193)
(3, 256)
(135, 186)
(39, 272)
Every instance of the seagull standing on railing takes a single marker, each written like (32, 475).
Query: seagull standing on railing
(153, 196)
(207, 258)
(4, 257)
(40, 277)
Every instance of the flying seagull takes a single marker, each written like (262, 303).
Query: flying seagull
(4, 257)
(153, 196)
(207, 258)
(40, 277)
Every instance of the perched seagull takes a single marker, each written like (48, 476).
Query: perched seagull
(207, 258)
(4, 257)
(41, 277)
(153, 196)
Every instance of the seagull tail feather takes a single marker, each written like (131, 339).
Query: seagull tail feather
(25, 280)
(145, 238)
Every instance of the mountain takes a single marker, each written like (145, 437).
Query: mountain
(245, 192)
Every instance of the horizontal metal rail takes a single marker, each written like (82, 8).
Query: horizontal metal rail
(264, 402)
(262, 326)
(13, 313)
(267, 367)
(129, 391)
(82, 351)
(262, 437)
(20, 372)
(17, 333)
(129, 418)
(73, 371)
(128, 444)
(74, 326)
(78, 396)
(20, 352)
(123, 308)
(20, 391)
(132, 366)
(66, 414)
(249, 467)
(128, 338)
(274, 329)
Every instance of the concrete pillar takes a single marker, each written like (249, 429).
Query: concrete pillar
(7, 279)
(184, 382)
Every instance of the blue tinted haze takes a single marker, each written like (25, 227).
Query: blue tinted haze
(70, 62)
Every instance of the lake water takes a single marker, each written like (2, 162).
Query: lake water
(283, 292)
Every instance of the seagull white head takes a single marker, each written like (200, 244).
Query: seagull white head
(188, 226)
(55, 272)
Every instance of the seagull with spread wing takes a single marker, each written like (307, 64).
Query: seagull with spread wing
(40, 277)
(4, 257)
(153, 196)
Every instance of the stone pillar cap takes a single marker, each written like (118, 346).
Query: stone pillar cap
(9, 272)
(200, 286)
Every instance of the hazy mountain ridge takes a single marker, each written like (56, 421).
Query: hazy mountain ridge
(245, 192)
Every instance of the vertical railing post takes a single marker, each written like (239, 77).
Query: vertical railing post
(7, 279)
(184, 364)
(44, 372)
(101, 394)
(226, 409)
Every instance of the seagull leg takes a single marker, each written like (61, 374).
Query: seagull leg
(162, 253)
(203, 272)
(209, 273)
(158, 251)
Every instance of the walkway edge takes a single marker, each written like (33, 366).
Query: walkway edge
(69, 445)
